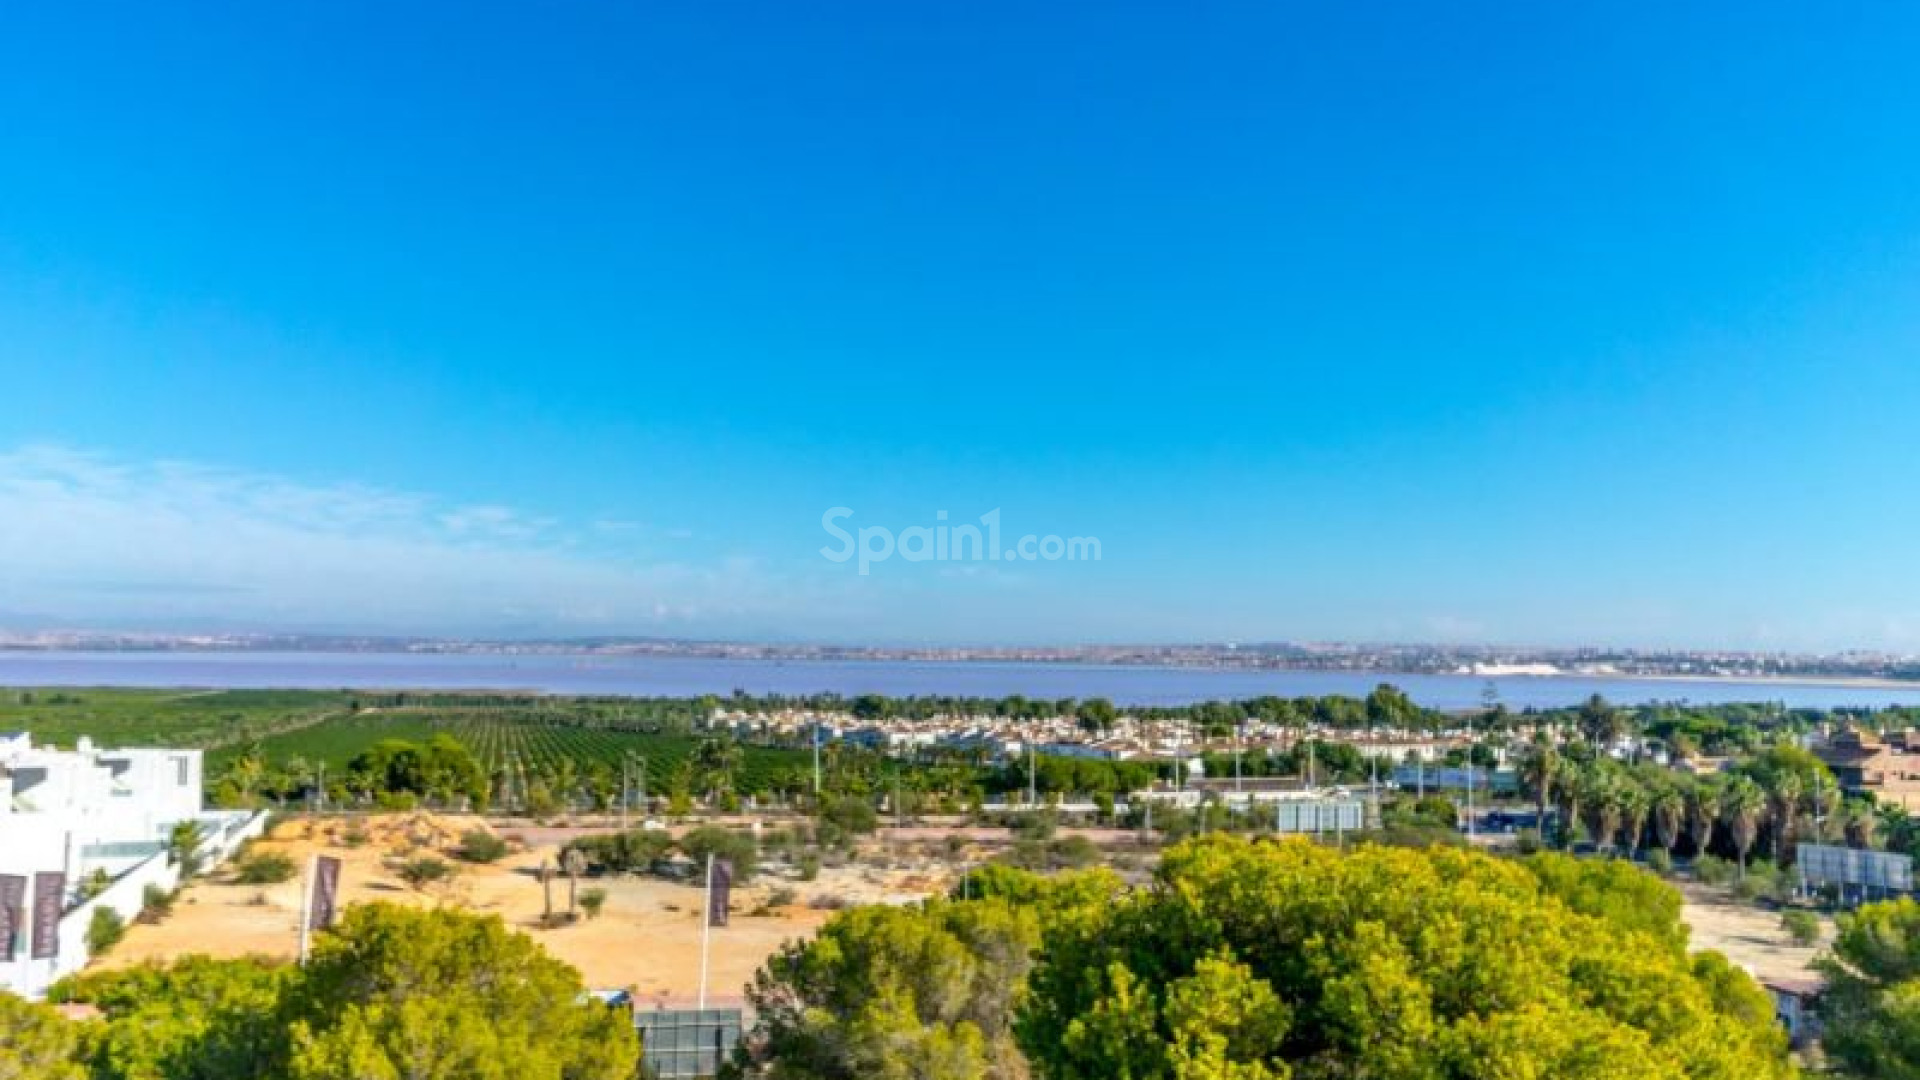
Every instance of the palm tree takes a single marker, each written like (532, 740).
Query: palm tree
(1601, 723)
(715, 761)
(1703, 811)
(1741, 805)
(1860, 822)
(1787, 789)
(1572, 784)
(1669, 816)
(1601, 796)
(1635, 802)
(1539, 770)
(246, 772)
(301, 775)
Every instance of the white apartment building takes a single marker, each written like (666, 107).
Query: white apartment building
(72, 820)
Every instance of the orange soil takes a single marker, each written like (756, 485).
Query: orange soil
(647, 937)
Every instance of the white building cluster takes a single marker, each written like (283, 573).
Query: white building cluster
(86, 829)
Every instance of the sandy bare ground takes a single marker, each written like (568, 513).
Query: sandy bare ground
(647, 937)
(1749, 936)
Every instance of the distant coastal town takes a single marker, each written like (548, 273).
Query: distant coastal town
(1411, 659)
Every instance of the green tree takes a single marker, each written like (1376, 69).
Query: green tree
(1703, 812)
(37, 1043)
(1871, 1011)
(440, 995)
(105, 928)
(1669, 817)
(1615, 891)
(1600, 723)
(1540, 769)
(1859, 823)
(737, 848)
(1635, 804)
(196, 1019)
(1384, 963)
(1097, 714)
(183, 847)
(716, 762)
(923, 993)
(1741, 804)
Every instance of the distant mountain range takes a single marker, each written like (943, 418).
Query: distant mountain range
(1487, 660)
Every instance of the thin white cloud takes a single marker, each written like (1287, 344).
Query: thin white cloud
(93, 540)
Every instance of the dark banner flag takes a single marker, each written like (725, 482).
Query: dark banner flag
(13, 914)
(719, 891)
(49, 897)
(326, 892)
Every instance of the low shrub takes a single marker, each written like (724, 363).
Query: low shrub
(104, 930)
(1762, 880)
(1064, 853)
(592, 900)
(156, 903)
(1037, 825)
(264, 868)
(736, 848)
(632, 851)
(424, 870)
(480, 846)
(1713, 870)
(94, 884)
(1802, 926)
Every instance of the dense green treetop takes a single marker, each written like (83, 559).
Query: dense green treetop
(37, 1043)
(390, 993)
(1872, 1006)
(1273, 959)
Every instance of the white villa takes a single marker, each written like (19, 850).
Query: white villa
(72, 821)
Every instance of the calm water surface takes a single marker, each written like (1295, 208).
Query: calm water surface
(691, 676)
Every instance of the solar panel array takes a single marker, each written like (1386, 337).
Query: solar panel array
(1823, 864)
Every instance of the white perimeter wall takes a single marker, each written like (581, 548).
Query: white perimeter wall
(126, 897)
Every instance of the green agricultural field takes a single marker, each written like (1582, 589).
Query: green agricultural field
(207, 719)
(565, 743)
(537, 738)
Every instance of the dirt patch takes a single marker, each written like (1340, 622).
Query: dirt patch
(647, 936)
(1750, 936)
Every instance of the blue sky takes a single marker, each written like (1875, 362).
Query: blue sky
(1411, 322)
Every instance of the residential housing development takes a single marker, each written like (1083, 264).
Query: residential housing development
(1865, 764)
(87, 830)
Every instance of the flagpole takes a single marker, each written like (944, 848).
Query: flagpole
(306, 905)
(706, 932)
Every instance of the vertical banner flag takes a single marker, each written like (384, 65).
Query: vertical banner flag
(49, 896)
(13, 914)
(719, 892)
(326, 893)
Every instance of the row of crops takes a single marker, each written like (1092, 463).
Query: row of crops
(207, 719)
(545, 743)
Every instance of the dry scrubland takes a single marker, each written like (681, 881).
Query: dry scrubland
(647, 937)
(1747, 935)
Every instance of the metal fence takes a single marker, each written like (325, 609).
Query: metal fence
(686, 1042)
